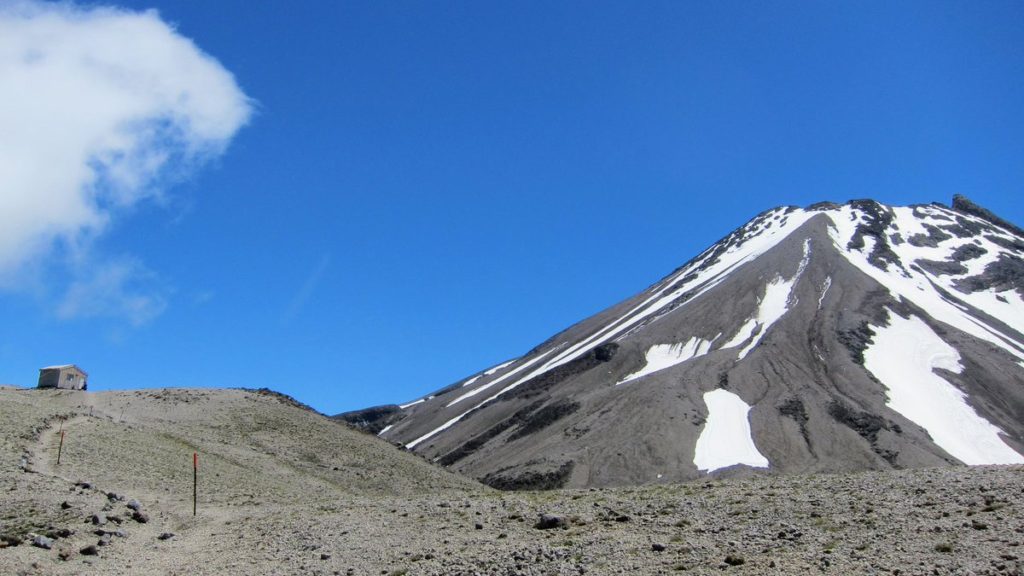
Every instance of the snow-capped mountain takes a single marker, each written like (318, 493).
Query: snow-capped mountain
(829, 338)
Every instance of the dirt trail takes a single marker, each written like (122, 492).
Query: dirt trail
(44, 450)
(43, 456)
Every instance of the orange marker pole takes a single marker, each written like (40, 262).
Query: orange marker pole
(195, 480)
(60, 447)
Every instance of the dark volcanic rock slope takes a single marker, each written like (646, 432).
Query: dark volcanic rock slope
(831, 338)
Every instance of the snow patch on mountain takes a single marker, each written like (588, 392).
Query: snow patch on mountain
(485, 374)
(440, 428)
(499, 379)
(662, 356)
(913, 285)
(499, 367)
(743, 334)
(726, 439)
(904, 356)
(824, 291)
(773, 306)
(986, 252)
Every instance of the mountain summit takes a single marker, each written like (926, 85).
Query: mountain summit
(828, 338)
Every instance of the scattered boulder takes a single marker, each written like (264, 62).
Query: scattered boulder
(734, 560)
(549, 521)
(134, 505)
(165, 536)
(104, 540)
(658, 547)
(89, 550)
(140, 517)
(42, 542)
(99, 519)
(64, 505)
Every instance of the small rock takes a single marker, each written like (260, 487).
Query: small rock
(114, 496)
(140, 517)
(64, 505)
(89, 550)
(104, 540)
(478, 526)
(165, 536)
(84, 485)
(134, 505)
(978, 525)
(64, 555)
(549, 521)
(99, 519)
(733, 560)
(325, 556)
(42, 542)
(658, 547)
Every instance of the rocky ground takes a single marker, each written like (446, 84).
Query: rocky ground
(284, 491)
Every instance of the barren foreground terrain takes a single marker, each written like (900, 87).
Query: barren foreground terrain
(283, 490)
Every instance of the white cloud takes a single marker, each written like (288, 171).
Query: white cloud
(116, 288)
(97, 106)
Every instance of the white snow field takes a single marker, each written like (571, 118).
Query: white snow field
(726, 439)
(662, 356)
(919, 287)
(903, 356)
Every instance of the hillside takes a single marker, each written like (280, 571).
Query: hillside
(286, 491)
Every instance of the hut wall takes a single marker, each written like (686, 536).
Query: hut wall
(49, 379)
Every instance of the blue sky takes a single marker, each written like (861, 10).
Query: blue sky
(413, 192)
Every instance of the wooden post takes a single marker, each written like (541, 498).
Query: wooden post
(195, 480)
(60, 448)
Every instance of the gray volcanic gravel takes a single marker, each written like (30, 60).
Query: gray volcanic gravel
(266, 510)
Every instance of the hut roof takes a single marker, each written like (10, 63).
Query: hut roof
(63, 366)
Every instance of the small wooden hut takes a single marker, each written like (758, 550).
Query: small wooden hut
(68, 377)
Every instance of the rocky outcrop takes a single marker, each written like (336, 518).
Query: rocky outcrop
(374, 419)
